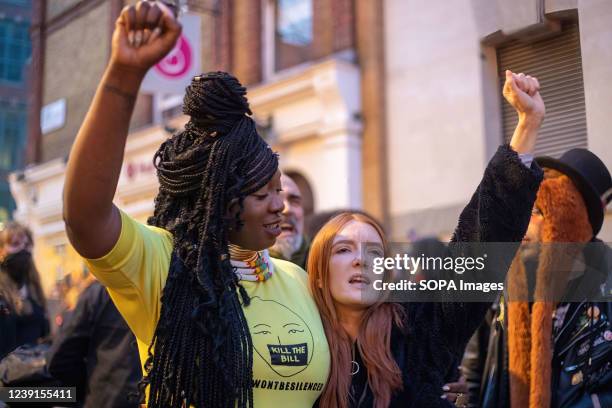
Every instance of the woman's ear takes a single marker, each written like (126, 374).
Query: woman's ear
(320, 283)
(232, 208)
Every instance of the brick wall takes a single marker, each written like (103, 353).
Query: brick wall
(35, 91)
(323, 28)
(218, 38)
(343, 25)
(246, 40)
(333, 30)
(370, 53)
(333, 25)
(75, 57)
(77, 49)
(232, 41)
(224, 42)
(208, 33)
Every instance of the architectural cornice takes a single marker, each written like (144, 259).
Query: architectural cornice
(321, 100)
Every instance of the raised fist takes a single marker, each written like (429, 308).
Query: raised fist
(523, 93)
(143, 35)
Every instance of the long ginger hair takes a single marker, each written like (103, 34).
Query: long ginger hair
(374, 338)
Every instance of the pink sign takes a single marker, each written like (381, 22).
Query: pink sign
(178, 61)
(172, 74)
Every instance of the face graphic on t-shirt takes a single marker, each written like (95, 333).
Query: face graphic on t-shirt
(280, 337)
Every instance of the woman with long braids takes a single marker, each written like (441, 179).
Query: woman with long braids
(218, 322)
(399, 355)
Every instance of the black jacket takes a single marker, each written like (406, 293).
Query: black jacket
(8, 328)
(17, 329)
(429, 350)
(573, 380)
(96, 352)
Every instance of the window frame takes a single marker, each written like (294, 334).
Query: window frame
(269, 45)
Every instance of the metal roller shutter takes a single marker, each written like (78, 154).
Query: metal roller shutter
(556, 62)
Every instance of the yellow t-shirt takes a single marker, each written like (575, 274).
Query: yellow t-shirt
(291, 358)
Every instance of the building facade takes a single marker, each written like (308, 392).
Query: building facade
(391, 106)
(445, 65)
(314, 81)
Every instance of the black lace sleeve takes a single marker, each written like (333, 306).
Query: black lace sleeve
(499, 211)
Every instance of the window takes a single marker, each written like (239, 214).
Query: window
(14, 50)
(293, 36)
(12, 135)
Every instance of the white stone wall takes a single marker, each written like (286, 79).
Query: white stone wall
(436, 130)
(596, 46)
(316, 130)
(443, 97)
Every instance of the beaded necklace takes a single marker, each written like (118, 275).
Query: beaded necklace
(254, 266)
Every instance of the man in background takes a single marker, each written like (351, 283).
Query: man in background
(291, 245)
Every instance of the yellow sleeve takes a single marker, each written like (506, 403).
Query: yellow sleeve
(135, 273)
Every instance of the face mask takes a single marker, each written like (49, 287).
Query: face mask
(17, 265)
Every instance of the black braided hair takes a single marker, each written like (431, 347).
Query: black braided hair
(202, 348)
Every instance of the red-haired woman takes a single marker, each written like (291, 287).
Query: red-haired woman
(388, 354)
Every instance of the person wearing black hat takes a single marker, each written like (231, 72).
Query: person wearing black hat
(581, 369)
(554, 349)
(590, 176)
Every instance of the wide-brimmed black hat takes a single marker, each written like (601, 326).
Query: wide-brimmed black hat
(590, 176)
